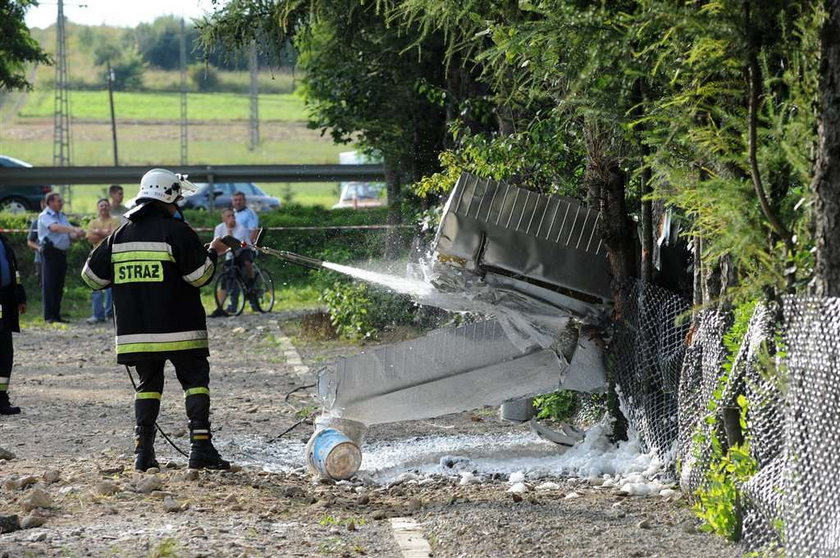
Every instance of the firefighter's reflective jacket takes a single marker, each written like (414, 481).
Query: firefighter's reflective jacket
(155, 265)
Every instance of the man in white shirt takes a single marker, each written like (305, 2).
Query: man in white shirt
(245, 216)
(241, 257)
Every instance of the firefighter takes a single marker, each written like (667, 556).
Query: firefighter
(12, 303)
(155, 265)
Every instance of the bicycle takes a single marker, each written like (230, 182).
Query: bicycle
(232, 282)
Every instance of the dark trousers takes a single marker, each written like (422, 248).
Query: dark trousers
(54, 264)
(194, 375)
(7, 354)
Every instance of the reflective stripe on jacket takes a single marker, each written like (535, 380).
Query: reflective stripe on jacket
(155, 265)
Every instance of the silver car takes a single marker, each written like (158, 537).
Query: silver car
(221, 193)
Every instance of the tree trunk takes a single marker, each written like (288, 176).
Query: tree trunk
(606, 183)
(826, 183)
(393, 184)
(616, 229)
(647, 228)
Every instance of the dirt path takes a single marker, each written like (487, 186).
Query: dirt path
(72, 472)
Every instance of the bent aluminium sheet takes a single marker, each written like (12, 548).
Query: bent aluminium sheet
(450, 370)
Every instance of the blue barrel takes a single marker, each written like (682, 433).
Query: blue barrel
(333, 455)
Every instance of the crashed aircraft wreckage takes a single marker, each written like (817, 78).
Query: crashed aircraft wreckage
(535, 265)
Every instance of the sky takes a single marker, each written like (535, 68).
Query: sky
(124, 13)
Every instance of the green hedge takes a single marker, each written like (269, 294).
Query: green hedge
(335, 245)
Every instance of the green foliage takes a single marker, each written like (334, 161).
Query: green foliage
(168, 548)
(529, 159)
(336, 245)
(128, 71)
(358, 311)
(17, 47)
(348, 306)
(204, 77)
(166, 106)
(559, 405)
(718, 502)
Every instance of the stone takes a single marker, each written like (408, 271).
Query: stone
(292, 491)
(516, 497)
(363, 500)
(415, 505)
(152, 471)
(106, 488)
(172, 465)
(351, 525)
(643, 524)
(378, 514)
(171, 505)
(9, 523)
(668, 492)
(51, 476)
(31, 521)
(688, 527)
(191, 474)
(16, 484)
(36, 498)
(6, 454)
(148, 485)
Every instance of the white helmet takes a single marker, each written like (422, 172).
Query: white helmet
(165, 186)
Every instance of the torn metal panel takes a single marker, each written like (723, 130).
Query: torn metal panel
(447, 371)
(587, 371)
(546, 239)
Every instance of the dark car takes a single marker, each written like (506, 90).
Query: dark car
(19, 199)
(222, 192)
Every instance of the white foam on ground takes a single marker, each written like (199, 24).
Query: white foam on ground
(509, 454)
(471, 458)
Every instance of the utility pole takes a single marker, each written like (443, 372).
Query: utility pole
(113, 118)
(255, 112)
(61, 109)
(183, 94)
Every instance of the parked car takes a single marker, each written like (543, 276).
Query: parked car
(222, 192)
(361, 194)
(19, 199)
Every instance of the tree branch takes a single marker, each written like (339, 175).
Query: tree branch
(754, 102)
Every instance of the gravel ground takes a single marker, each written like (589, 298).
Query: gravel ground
(72, 486)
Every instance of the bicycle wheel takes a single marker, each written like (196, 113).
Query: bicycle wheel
(229, 293)
(262, 291)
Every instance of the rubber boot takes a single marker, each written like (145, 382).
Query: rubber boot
(144, 448)
(202, 453)
(145, 412)
(5, 406)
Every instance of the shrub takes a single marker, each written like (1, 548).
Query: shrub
(358, 311)
(204, 77)
(559, 405)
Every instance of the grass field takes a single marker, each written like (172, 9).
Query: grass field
(148, 133)
(93, 105)
(83, 197)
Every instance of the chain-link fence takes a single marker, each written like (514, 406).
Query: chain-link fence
(678, 382)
